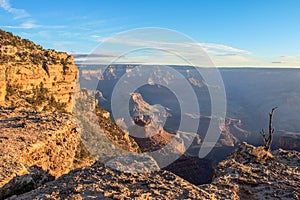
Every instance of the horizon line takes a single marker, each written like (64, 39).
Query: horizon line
(170, 64)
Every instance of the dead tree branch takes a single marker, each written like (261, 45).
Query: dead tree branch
(268, 141)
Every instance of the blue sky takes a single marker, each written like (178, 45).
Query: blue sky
(234, 33)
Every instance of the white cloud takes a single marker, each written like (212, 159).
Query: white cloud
(221, 48)
(220, 54)
(291, 60)
(24, 25)
(224, 55)
(98, 38)
(131, 40)
(29, 23)
(84, 55)
(234, 60)
(17, 13)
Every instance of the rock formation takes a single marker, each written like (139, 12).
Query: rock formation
(101, 182)
(248, 173)
(106, 79)
(289, 140)
(153, 137)
(44, 141)
(253, 173)
(37, 147)
(99, 133)
(24, 66)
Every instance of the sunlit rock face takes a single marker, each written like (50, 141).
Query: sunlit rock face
(25, 66)
(36, 147)
(38, 138)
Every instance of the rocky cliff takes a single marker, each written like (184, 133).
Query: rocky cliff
(26, 69)
(36, 147)
(38, 140)
(99, 133)
(151, 136)
(39, 146)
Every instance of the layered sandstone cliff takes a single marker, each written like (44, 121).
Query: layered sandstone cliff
(25, 66)
(38, 140)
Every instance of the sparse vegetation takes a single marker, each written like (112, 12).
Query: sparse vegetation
(114, 133)
(268, 140)
(41, 95)
(63, 61)
(12, 90)
(60, 107)
(18, 56)
(15, 49)
(82, 155)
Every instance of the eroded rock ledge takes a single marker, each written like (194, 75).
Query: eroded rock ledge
(100, 182)
(253, 173)
(248, 173)
(36, 147)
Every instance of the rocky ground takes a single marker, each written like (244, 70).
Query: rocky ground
(248, 173)
(100, 182)
(253, 173)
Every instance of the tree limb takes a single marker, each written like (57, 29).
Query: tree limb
(268, 141)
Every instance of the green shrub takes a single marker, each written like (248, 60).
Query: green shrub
(12, 90)
(40, 95)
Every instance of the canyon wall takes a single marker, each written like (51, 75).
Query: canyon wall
(25, 66)
(38, 139)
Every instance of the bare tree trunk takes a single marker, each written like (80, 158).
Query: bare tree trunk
(268, 141)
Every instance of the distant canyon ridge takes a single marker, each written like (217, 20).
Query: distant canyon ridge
(251, 93)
